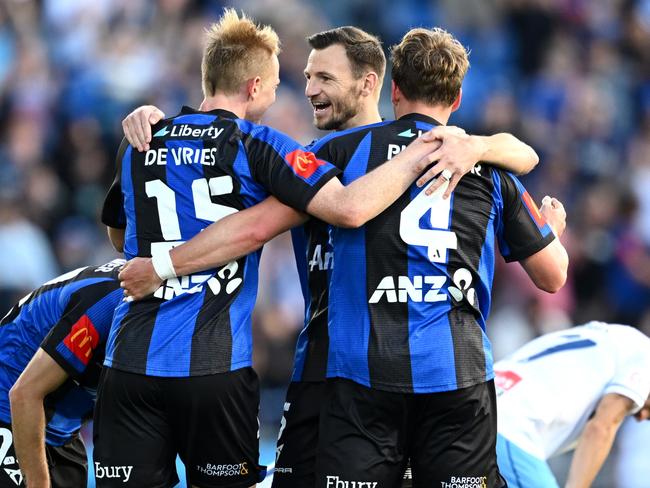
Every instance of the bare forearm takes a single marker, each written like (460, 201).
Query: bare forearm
(548, 267)
(592, 450)
(368, 196)
(507, 152)
(561, 256)
(28, 424)
(203, 252)
(235, 236)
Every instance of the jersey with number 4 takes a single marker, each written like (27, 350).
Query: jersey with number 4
(202, 166)
(410, 290)
(548, 389)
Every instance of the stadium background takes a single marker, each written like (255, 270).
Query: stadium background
(570, 77)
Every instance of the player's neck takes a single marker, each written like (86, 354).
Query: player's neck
(231, 103)
(365, 116)
(438, 112)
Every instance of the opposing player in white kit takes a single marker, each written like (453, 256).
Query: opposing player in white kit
(566, 390)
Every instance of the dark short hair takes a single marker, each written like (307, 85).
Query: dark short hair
(429, 66)
(363, 50)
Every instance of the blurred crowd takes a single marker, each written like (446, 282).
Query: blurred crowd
(570, 77)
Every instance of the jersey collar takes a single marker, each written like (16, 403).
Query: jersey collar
(420, 118)
(217, 111)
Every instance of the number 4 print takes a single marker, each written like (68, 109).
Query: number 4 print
(437, 240)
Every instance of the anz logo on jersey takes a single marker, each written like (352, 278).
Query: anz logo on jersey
(427, 289)
(425, 223)
(224, 280)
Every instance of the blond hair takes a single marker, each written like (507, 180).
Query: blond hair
(237, 50)
(429, 66)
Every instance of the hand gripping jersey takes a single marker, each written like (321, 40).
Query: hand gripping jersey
(69, 317)
(201, 167)
(550, 387)
(410, 291)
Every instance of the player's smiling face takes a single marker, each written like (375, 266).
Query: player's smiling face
(331, 87)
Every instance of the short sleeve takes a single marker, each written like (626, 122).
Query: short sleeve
(113, 209)
(286, 169)
(82, 330)
(632, 377)
(523, 230)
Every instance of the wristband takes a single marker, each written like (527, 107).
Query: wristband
(163, 265)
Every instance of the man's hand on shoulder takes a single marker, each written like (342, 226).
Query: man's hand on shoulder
(137, 125)
(139, 279)
(457, 155)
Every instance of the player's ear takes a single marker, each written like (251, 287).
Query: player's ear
(395, 93)
(456, 103)
(370, 81)
(253, 87)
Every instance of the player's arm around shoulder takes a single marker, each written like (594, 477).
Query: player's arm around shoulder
(42, 376)
(597, 439)
(366, 197)
(460, 152)
(233, 236)
(548, 268)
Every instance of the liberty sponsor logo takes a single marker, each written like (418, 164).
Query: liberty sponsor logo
(121, 472)
(225, 470)
(336, 482)
(465, 482)
(9, 463)
(184, 130)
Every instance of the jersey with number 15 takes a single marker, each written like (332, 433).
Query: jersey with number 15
(202, 166)
(410, 290)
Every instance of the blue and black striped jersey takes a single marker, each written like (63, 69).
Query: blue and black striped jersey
(410, 291)
(201, 167)
(68, 317)
(315, 259)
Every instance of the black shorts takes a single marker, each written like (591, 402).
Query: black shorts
(67, 464)
(295, 461)
(367, 436)
(143, 422)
